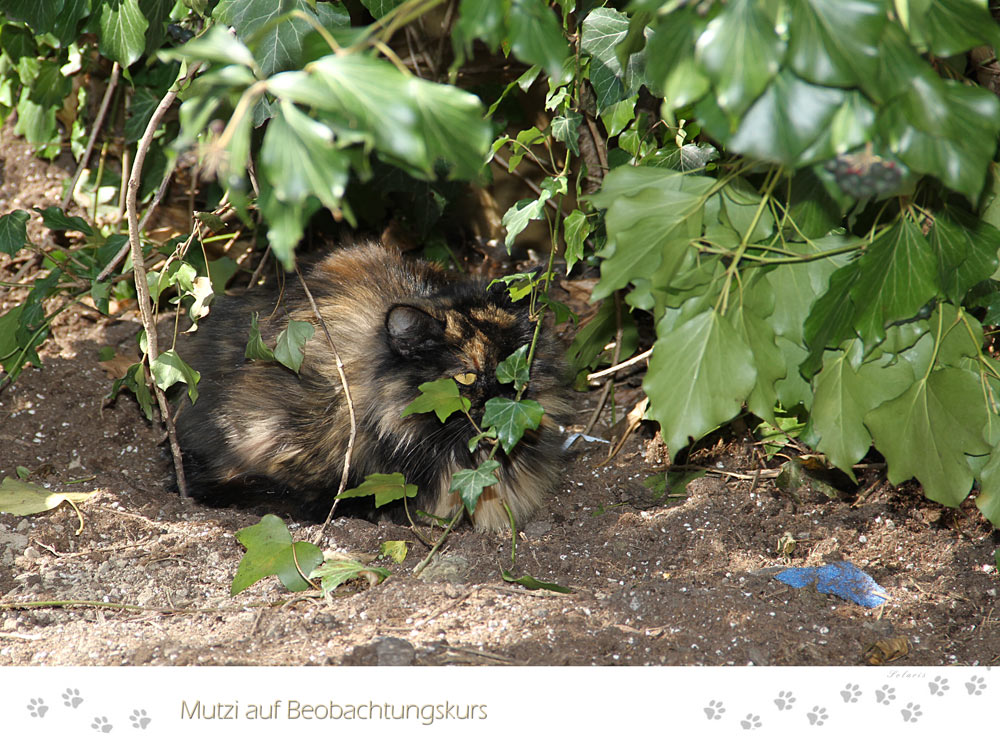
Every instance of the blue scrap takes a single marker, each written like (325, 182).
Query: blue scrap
(842, 579)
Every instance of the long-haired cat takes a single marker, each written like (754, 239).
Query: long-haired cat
(258, 430)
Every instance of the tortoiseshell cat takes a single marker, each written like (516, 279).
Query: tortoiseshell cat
(258, 430)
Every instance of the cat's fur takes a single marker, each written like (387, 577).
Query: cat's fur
(259, 429)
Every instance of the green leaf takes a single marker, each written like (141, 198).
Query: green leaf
(270, 551)
(514, 369)
(478, 20)
(603, 30)
(966, 250)
(896, 277)
(529, 582)
(928, 431)
(470, 482)
(440, 396)
(412, 120)
(335, 572)
(215, 45)
(385, 487)
(256, 348)
(122, 31)
(844, 394)
(290, 345)
(135, 380)
(699, 376)
(670, 63)
(24, 498)
(954, 26)
(652, 216)
(168, 368)
(474, 441)
(299, 159)
(395, 550)
(537, 39)
(944, 128)
(511, 419)
(13, 232)
(565, 128)
(836, 43)
(742, 31)
(522, 212)
(51, 87)
(276, 39)
(988, 500)
(794, 113)
(576, 228)
(379, 8)
(56, 219)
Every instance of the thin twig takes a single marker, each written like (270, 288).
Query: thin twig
(347, 395)
(141, 286)
(427, 560)
(619, 334)
(620, 366)
(157, 115)
(95, 128)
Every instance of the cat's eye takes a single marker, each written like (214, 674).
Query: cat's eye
(465, 378)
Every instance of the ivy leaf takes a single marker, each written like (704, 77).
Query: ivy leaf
(603, 30)
(896, 277)
(13, 232)
(440, 396)
(290, 345)
(24, 498)
(944, 128)
(168, 368)
(270, 551)
(470, 482)
(395, 550)
(514, 369)
(474, 441)
(652, 215)
(988, 500)
(928, 431)
(837, 43)
(699, 376)
(795, 114)
(215, 45)
(742, 31)
(122, 28)
(576, 228)
(536, 37)
(299, 158)
(335, 572)
(529, 582)
(135, 380)
(256, 348)
(385, 487)
(56, 219)
(511, 419)
(965, 248)
(844, 394)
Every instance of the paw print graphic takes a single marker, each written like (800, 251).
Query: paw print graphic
(851, 693)
(37, 707)
(938, 686)
(784, 701)
(101, 724)
(139, 718)
(714, 710)
(976, 685)
(885, 695)
(72, 698)
(752, 721)
(911, 713)
(817, 716)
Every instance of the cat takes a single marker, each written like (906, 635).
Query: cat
(260, 431)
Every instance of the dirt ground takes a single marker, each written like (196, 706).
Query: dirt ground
(684, 581)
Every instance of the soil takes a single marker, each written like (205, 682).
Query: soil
(655, 581)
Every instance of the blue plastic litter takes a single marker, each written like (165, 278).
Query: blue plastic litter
(842, 579)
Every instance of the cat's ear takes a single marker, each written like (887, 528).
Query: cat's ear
(411, 330)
